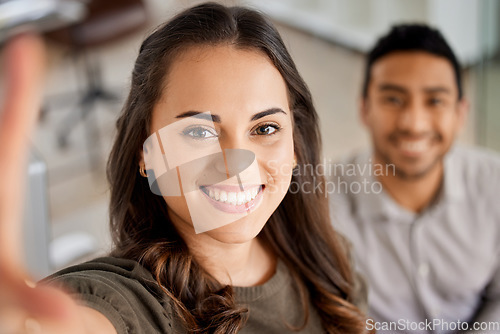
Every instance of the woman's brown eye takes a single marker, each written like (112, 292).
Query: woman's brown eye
(267, 129)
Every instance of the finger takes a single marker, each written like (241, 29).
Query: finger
(24, 61)
(11, 320)
(45, 303)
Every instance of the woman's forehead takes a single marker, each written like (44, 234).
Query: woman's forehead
(222, 79)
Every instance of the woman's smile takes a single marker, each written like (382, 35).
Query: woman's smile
(234, 198)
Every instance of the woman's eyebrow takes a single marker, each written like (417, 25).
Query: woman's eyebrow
(200, 115)
(216, 118)
(267, 112)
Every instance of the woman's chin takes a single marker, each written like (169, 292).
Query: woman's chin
(241, 231)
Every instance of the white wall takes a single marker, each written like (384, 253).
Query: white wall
(358, 23)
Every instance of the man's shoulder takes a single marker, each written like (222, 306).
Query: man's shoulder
(477, 166)
(351, 181)
(476, 156)
(350, 167)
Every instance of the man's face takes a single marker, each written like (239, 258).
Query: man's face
(412, 111)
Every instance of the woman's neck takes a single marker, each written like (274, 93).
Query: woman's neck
(242, 264)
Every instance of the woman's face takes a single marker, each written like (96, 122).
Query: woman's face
(224, 128)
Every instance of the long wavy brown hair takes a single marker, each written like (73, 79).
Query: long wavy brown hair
(299, 232)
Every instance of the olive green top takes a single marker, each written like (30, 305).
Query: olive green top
(126, 293)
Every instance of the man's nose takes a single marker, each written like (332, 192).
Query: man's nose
(414, 119)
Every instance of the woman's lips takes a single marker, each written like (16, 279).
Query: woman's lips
(233, 199)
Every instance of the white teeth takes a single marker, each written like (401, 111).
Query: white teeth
(415, 146)
(223, 196)
(233, 198)
(241, 198)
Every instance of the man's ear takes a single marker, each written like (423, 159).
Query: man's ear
(463, 107)
(363, 108)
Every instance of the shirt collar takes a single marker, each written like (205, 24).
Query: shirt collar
(378, 204)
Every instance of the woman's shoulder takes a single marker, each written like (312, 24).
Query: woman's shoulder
(121, 289)
(117, 274)
(107, 266)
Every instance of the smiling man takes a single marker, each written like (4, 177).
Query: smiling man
(429, 241)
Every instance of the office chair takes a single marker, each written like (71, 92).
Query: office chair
(106, 21)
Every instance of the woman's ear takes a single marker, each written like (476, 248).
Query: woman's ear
(141, 160)
(142, 165)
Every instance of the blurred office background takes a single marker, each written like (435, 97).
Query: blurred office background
(327, 39)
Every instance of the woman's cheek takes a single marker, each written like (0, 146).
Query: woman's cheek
(278, 164)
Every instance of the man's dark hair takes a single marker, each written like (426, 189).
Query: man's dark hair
(412, 37)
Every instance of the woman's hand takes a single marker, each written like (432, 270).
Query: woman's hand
(24, 308)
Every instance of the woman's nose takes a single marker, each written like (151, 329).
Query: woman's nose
(220, 164)
(234, 161)
(229, 143)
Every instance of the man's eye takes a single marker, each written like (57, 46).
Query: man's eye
(393, 100)
(266, 129)
(435, 101)
(200, 133)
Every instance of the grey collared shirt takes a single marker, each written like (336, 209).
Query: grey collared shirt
(433, 272)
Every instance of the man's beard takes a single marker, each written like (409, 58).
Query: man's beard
(402, 174)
